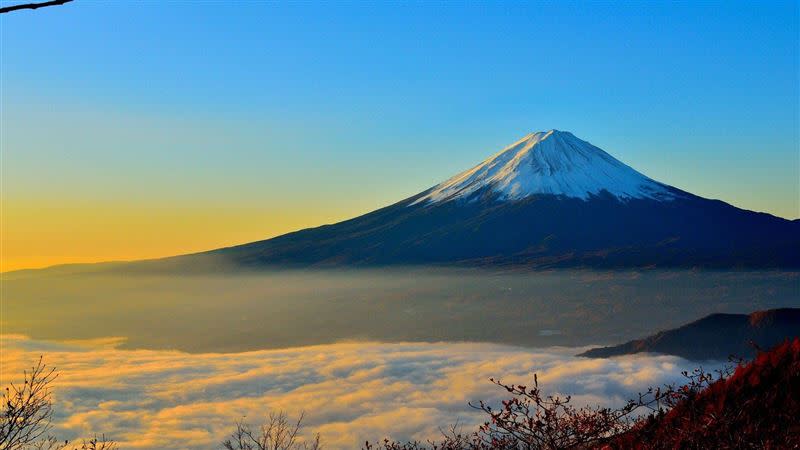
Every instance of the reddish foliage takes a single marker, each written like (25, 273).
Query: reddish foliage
(757, 407)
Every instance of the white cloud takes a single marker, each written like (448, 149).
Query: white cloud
(148, 399)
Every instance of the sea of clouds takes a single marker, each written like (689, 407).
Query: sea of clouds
(350, 392)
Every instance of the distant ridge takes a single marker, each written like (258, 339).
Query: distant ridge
(716, 336)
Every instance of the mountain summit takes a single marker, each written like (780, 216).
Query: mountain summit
(550, 162)
(547, 200)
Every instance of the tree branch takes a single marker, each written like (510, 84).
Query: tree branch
(8, 9)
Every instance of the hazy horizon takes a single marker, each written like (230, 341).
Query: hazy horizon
(276, 309)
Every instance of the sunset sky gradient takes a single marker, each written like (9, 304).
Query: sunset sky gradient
(145, 129)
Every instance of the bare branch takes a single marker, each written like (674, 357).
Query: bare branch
(276, 433)
(26, 412)
(27, 408)
(9, 9)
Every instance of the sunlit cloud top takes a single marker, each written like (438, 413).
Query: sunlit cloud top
(351, 392)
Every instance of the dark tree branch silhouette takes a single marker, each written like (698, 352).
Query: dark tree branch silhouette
(8, 9)
(26, 412)
(276, 433)
(27, 408)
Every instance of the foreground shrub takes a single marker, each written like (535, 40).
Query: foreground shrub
(276, 433)
(27, 409)
(533, 420)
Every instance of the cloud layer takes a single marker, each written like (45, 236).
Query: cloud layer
(351, 392)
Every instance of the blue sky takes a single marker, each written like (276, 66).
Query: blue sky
(294, 114)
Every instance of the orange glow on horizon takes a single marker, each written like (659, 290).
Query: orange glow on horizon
(37, 236)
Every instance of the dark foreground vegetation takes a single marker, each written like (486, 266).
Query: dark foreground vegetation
(749, 405)
(758, 406)
(27, 412)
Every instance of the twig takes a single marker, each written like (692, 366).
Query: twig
(8, 9)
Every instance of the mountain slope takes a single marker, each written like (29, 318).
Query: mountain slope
(716, 336)
(756, 407)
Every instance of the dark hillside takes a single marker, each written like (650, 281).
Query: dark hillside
(757, 407)
(716, 336)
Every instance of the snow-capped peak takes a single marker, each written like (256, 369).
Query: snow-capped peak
(550, 162)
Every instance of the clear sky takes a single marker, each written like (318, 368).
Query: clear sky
(144, 129)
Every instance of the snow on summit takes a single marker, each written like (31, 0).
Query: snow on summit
(550, 162)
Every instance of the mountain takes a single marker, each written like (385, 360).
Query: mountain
(715, 337)
(548, 200)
